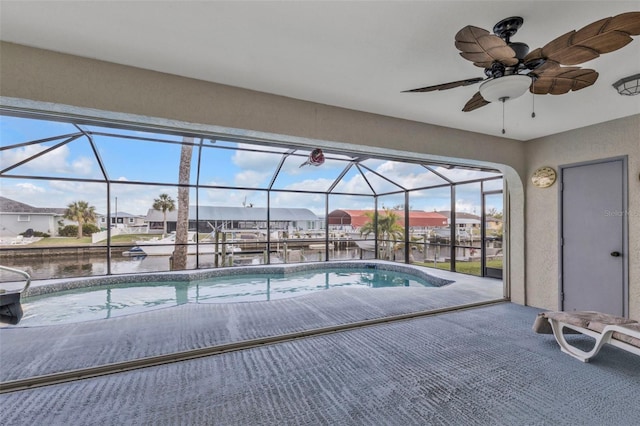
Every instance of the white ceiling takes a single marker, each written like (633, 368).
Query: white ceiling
(353, 54)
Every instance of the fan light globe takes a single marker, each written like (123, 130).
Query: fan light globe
(505, 88)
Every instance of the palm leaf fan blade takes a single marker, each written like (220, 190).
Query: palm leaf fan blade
(558, 81)
(482, 48)
(476, 101)
(446, 86)
(534, 55)
(603, 36)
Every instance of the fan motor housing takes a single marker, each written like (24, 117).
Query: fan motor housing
(521, 49)
(508, 27)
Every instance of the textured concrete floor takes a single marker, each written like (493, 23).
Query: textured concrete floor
(476, 367)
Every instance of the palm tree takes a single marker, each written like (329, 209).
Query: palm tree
(182, 225)
(164, 203)
(81, 212)
(369, 226)
(388, 230)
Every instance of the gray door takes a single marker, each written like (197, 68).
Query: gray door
(593, 227)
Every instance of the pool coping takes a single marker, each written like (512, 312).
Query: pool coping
(43, 287)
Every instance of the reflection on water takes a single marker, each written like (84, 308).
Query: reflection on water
(41, 267)
(384, 279)
(47, 267)
(95, 264)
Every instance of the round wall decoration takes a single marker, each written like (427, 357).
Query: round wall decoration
(543, 177)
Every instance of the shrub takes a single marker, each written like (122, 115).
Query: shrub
(72, 230)
(68, 231)
(89, 228)
(36, 234)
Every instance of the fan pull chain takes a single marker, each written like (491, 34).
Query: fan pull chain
(503, 100)
(533, 98)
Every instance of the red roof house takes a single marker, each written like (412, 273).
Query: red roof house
(417, 218)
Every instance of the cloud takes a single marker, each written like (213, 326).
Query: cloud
(355, 185)
(409, 175)
(350, 202)
(216, 183)
(232, 198)
(467, 206)
(39, 194)
(56, 161)
(313, 202)
(80, 188)
(83, 166)
(257, 161)
(29, 188)
(251, 178)
(320, 185)
(50, 161)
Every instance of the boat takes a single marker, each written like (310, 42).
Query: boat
(134, 252)
(166, 246)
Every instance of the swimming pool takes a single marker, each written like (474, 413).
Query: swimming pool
(103, 301)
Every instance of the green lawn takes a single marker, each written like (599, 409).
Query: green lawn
(61, 242)
(472, 268)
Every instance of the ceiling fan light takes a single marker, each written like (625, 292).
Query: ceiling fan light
(505, 88)
(628, 86)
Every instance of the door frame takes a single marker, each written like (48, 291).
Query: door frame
(483, 234)
(625, 227)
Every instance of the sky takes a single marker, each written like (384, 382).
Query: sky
(242, 171)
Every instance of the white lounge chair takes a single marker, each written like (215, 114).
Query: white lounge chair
(617, 331)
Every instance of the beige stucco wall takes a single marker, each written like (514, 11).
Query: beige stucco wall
(611, 139)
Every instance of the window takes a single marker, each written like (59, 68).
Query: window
(24, 218)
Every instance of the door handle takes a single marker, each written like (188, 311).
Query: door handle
(615, 253)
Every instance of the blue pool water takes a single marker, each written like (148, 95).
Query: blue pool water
(93, 303)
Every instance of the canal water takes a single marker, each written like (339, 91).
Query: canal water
(48, 267)
(93, 264)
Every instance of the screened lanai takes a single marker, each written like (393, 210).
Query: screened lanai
(249, 201)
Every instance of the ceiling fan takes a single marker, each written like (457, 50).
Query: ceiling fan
(510, 69)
